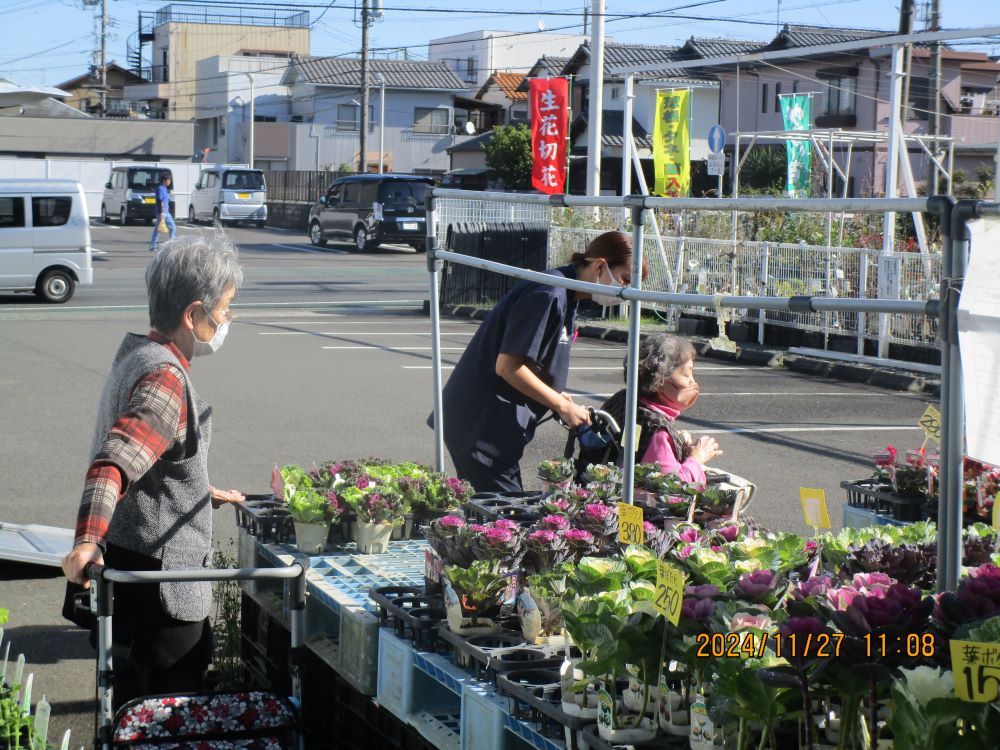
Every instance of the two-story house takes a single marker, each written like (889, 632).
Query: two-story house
(85, 92)
(418, 118)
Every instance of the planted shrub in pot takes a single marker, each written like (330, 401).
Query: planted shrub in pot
(474, 595)
(312, 510)
(556, 474)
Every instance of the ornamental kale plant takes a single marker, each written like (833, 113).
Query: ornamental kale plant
(480, 586)
(557, 470)
(381, 507)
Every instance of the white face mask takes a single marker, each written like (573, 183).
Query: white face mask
(204, 348)
(607, 300)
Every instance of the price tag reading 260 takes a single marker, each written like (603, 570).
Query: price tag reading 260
(630, 530)
(669, 591)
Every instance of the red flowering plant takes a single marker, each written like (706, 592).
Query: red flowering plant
(580, 543)
(977, 599)
(502, 541)
(381, 507)
(600, 520)
(544, 548)
(566, 501)
(449, 537)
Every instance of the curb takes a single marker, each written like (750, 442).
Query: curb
(895, 380)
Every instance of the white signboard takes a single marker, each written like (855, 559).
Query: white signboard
(979, 341)
(716, 164)
(889, 271)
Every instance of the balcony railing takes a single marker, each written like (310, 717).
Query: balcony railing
(234, 16)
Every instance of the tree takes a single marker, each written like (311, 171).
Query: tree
(508, 153)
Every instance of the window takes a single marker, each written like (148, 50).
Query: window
(777, 97)
(919, 102)
(165, 77)
(470, 69)
(50, 212)
(403, 193)
(763, 97)
(369, 192)
(243, 180)
(11, 213)
(144, 179)
(352, 192)
(333, 194)
(795, 87)
(348, 117)
(264, 118)
(616, 92)
(428, 120)
(840, 95)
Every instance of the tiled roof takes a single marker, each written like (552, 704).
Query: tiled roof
(619, 55)
(544, 67)
(793, 35)
(696, 47)
(508, 83)
(611, 129)
(399, 74)
(472, 144)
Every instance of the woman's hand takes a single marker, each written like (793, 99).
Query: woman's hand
(705, 449)
(573, 414)
(223, 497)
(75, 564)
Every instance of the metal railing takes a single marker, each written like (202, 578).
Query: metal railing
(230, 15)
(715, 266)
(953, 219)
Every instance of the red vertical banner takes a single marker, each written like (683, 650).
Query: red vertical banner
(549, 105)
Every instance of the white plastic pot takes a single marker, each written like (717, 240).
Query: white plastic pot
(645, 731)
(373, 539)
(310, 538)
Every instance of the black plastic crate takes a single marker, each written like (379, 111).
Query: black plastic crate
(266, 519)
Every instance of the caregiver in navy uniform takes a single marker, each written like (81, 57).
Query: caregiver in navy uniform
(516, 366)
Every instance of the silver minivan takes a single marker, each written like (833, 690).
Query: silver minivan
(44, 238)
(229, 194)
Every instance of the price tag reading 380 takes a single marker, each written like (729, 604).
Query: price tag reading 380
(930, 423)
(669, 591)
(630, 529)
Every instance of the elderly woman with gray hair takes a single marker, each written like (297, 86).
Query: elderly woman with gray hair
(666, 388)
(147, 501)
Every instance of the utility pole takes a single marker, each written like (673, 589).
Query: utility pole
(253, 117)
(104, 58)
(934, 126)
(585, 13)
(594, 114)
(363, 139)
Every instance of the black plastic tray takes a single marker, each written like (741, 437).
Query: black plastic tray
(266, 519)
(538, 703)
(497, 653)
(412, 613)
(865, 493)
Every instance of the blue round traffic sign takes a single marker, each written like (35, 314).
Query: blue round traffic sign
(716, 139)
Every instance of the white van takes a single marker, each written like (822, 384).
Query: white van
(229, 194)
(44, 238)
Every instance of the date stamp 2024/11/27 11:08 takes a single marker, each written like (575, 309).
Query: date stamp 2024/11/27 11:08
(749, 644)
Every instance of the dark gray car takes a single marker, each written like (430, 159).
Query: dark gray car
(369, 210)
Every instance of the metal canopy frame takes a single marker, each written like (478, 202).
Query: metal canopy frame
(955, 247)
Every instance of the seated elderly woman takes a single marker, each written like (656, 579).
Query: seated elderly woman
(666, 388)
(147, 501)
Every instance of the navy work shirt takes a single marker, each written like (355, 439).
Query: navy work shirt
(484, 416)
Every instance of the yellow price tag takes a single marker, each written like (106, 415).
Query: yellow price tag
(630, 529)
(976, 667)
(669, 591)
(814, 507)
(996, 512)
(930, 423)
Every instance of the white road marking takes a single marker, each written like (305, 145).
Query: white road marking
(96, 223)
(363, 333)
(303, 249)
(401, 348)
(845, 394)
(95, 251)
(829, 428)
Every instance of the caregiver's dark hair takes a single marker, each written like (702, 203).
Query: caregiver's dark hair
(614, 247)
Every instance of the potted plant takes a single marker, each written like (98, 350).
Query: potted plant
(312, 510)
(557, 474)
(473, 595)
(378, 513)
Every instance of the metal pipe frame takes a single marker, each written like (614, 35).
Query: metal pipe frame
(856, 205)
(803, 304)
(632, 358)
(955, 244)
(434, 267)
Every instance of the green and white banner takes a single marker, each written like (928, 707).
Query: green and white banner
(795, 110)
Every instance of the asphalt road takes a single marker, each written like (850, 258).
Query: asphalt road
(330, 358)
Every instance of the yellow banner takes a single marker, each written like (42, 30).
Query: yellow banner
(672, 144)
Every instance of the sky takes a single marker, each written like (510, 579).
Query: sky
(51, 41)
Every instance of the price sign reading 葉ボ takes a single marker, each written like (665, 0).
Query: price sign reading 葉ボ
(930, 423)
(669, 591)
(630, 529)
(976, 667)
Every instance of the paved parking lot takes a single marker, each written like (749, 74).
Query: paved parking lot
(330, 358)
